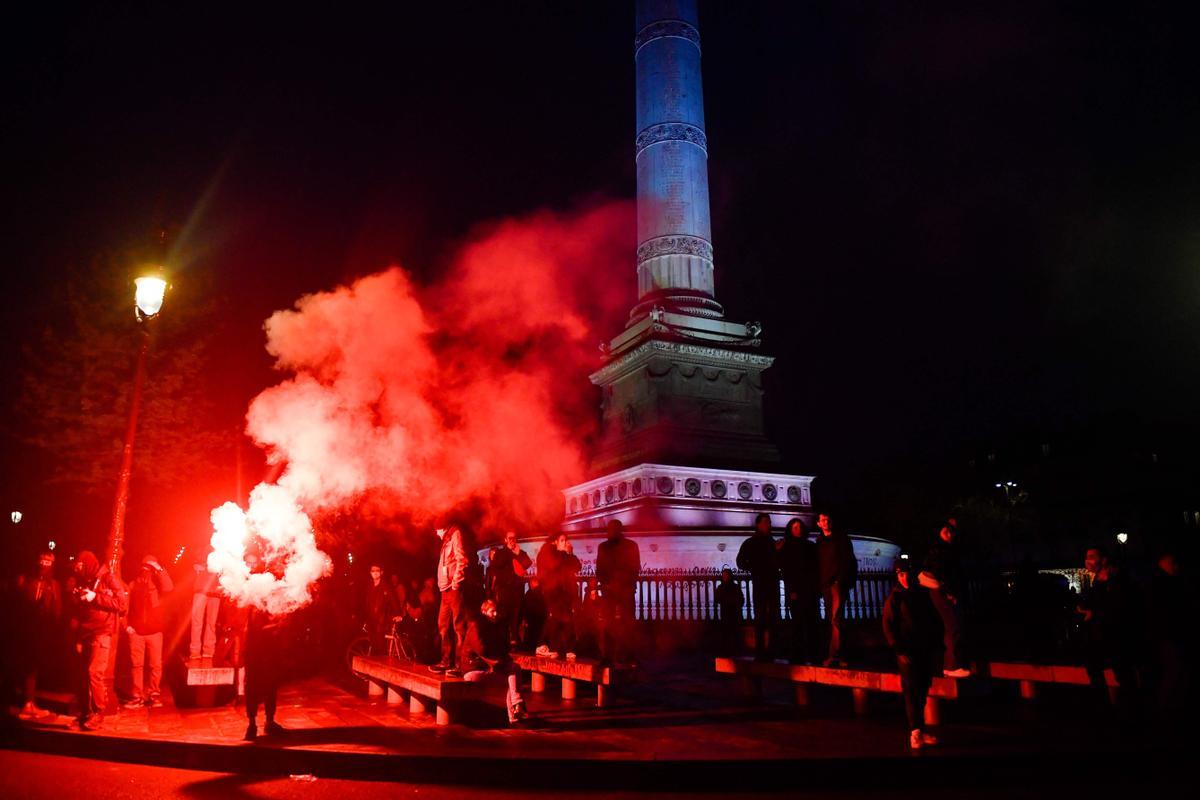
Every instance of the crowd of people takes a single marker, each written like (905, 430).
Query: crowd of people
(468, 618)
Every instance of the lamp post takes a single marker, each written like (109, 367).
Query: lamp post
(1122, 538)
(148, 299)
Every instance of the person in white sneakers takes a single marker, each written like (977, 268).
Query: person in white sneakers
(914, 630)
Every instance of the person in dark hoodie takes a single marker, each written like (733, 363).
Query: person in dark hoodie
(379, 610)
(618, 562)
(486, 650)
(38, 622)
(837, 570)
(798, 564)
(943, 575)
(97, 601)
(914, 630)
(757, 556)
(145, 629)
(558, 569)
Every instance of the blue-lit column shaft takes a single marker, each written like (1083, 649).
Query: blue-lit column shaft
(675, 259)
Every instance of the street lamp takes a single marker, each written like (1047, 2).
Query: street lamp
(16, 517)
(1122, 538)
(1007, 486)
(149, 291)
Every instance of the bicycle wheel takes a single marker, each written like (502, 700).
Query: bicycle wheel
(359, 646)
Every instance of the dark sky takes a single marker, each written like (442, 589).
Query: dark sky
(958, 227)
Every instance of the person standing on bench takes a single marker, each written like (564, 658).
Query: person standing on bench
(618, 562)
(942, 574)
(758, 556)
(837, 570)
(914, 630)
(558, 569)
(798, 563)
(452, 614)
(507, 564)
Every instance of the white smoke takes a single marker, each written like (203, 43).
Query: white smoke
(285, 541)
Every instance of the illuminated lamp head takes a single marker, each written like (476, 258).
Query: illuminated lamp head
(148, 296)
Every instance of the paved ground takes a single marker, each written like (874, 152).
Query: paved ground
(678, 728)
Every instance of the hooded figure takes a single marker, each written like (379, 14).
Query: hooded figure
(145, 629)
(96, 603)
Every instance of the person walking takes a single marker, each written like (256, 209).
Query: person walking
(914, 631)
(837, 571)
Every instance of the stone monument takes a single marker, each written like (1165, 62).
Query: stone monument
(683, 459)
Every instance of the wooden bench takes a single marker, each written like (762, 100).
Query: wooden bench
(405, 680)
(860, 682)
(571, 672)
(1029, 675)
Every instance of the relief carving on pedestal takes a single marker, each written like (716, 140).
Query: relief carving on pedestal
(670, 132)
(674, 245)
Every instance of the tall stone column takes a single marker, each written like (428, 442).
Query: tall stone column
(675, 254)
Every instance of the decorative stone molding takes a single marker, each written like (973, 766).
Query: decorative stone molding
(670, 132)
(667, 28)
(709, 356)
(674, 246)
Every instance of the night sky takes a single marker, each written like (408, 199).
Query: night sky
(959, 228)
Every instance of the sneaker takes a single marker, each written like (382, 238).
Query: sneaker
(155, 702)
(273, 728)
(928, 739)
(915, 740)
(136, 702)
(517, 712)
(545, 652)
(961, 672)
(93, 723)
(438, 667)
(29, 711)
(251, 732)
(454, 672)
(570, 656)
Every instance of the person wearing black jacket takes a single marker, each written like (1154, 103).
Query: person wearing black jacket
(618, 562)
(558, 569)
(379, 610)
(486, 647)
(798, 564)
(837, 571)
(914, 630)
(505, 581)
(97, 601)
(730, 600)
(758, 556)
(943, 575)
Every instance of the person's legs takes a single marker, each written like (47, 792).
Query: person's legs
(154, 645)
(952, 633)
(97, 666)
(910, 687)
(764, 613)
(446, 627)
(212, 606)
(137, 663)
(835, 611)
(199, 603)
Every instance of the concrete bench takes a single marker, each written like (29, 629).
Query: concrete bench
(572, 673)
(1029, 675)
(402, 680)
(859, 682)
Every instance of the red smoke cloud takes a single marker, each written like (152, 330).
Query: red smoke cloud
(408, 403)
